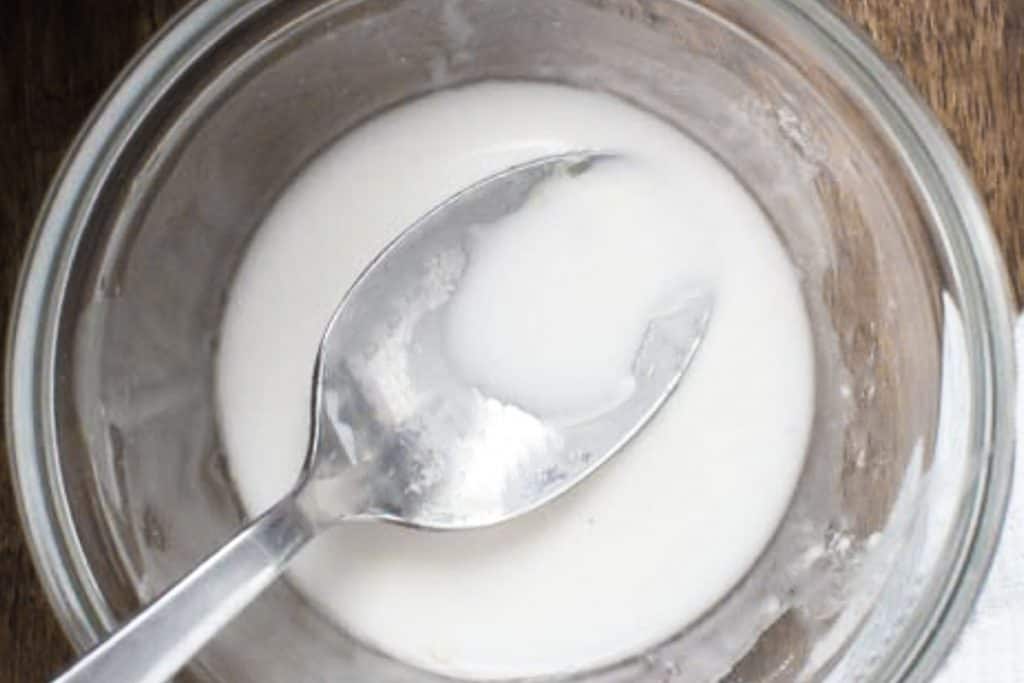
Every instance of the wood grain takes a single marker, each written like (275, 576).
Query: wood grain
(56, 58)
(966, 57)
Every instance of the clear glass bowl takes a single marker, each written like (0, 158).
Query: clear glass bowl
(116, 453)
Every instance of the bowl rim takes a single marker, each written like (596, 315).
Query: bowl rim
(936, 165)
(912, 129)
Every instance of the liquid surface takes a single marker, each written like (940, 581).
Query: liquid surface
(654, 538)
(558, 295)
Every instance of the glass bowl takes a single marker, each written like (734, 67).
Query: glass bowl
(117, 458)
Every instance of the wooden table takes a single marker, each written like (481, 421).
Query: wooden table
(56, 58)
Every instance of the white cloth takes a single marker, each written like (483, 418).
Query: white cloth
(991, 648)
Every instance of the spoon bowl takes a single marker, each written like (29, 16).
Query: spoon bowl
(426, 448)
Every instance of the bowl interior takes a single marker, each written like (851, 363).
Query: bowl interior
(137, 436)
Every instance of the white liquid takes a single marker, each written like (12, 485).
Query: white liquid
(559, 294)
(654, 538)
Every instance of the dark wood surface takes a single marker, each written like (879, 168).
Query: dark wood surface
(57, 57)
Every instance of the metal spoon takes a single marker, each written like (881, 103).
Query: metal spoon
(397, 436)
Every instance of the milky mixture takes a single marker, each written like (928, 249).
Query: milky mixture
(547, 316)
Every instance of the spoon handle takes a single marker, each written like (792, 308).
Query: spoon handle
(162, 638)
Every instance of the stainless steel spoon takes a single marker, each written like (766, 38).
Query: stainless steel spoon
(397, 436)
